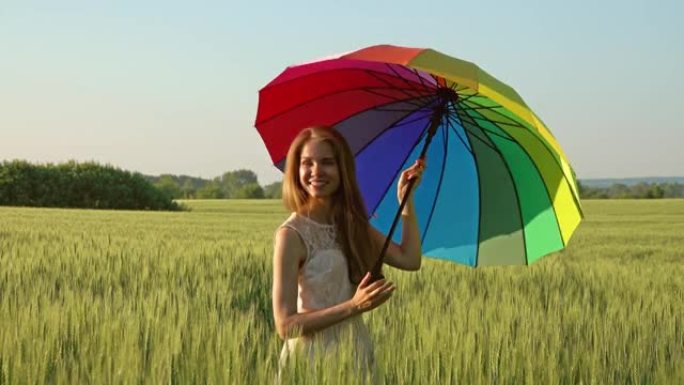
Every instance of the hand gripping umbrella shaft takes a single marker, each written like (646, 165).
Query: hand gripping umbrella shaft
(440, 110)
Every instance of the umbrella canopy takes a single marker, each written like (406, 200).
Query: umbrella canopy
(498, 188)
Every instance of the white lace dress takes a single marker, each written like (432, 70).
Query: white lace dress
(323, 281)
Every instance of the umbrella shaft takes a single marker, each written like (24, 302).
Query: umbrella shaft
(434, 123)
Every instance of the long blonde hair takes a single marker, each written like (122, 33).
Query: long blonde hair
(349, 209)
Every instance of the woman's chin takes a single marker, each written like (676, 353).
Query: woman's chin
(319, 193)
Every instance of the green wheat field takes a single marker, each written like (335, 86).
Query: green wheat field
(117, 297)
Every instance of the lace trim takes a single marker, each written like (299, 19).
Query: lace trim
(316, 236)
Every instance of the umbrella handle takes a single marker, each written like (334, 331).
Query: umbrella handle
(376, 273)
(436, 119)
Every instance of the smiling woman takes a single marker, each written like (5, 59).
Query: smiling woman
(324, 250)
(318, 171)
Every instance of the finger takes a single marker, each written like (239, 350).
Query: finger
(382, 298)
(380, 289)
(387, 291)
(371, 288)
(365, 280)
(413, 168)
(374, 285)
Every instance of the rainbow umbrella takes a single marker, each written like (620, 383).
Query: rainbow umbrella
(498, 188)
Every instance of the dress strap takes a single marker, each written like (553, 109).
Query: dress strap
(316, 236)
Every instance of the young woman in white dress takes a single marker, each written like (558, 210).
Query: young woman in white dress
(324, 250)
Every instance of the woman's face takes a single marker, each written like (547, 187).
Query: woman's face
(318, 170)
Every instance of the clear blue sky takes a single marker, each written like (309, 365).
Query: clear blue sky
(171, 87)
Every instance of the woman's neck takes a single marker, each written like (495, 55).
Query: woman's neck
(320, 210)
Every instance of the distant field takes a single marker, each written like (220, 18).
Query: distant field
(113, 297)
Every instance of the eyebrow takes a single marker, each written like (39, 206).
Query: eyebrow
(323, 158)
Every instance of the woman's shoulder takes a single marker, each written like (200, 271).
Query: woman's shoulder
(292, 221)
(291, 233)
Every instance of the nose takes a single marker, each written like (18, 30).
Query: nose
(316, 168)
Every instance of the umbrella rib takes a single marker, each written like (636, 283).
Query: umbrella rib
(548, 193)
(466, 97)
(419, 106)
(310, 74)
(391, 126)
(408, 100)
(515, 187)
(515, 124)
(394, 125)
(479, 200)
(518, 125)
(399, 169)
(409, 83)
(488, 131)
(429, 99)
(501, 123)
(476, 135)
(445, 136)
(478, 108)
(405, 91)
(479, 187)
(420, 78)
(319, 97)
(462, 140)
(458, 87)
(395, 110)
(546, 147)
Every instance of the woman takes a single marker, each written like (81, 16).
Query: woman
(324, 250)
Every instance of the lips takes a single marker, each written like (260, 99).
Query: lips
(318, 183)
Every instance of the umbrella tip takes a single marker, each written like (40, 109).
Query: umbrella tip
(447, 94)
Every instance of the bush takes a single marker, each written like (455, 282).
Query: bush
(79, 185)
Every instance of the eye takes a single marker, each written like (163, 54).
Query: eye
(329, 161)
(306, 162)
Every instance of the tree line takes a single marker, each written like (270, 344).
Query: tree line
(237, 184)
(91, 185)
(243, 184)
(79, 185)
(640, 190)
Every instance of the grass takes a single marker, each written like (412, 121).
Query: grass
(116, 297)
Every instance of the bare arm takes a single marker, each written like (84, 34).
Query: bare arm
(406, 256)
(289, 253)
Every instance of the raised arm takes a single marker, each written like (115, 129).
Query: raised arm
(288, 255)
(406, 256)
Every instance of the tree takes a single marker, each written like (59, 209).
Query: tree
(82, 185)
(211, 190)
(188, 190)
(619, 190)
(250, 191)
(655, 192)
(233, 181)
(168, 186)
(273, 190)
